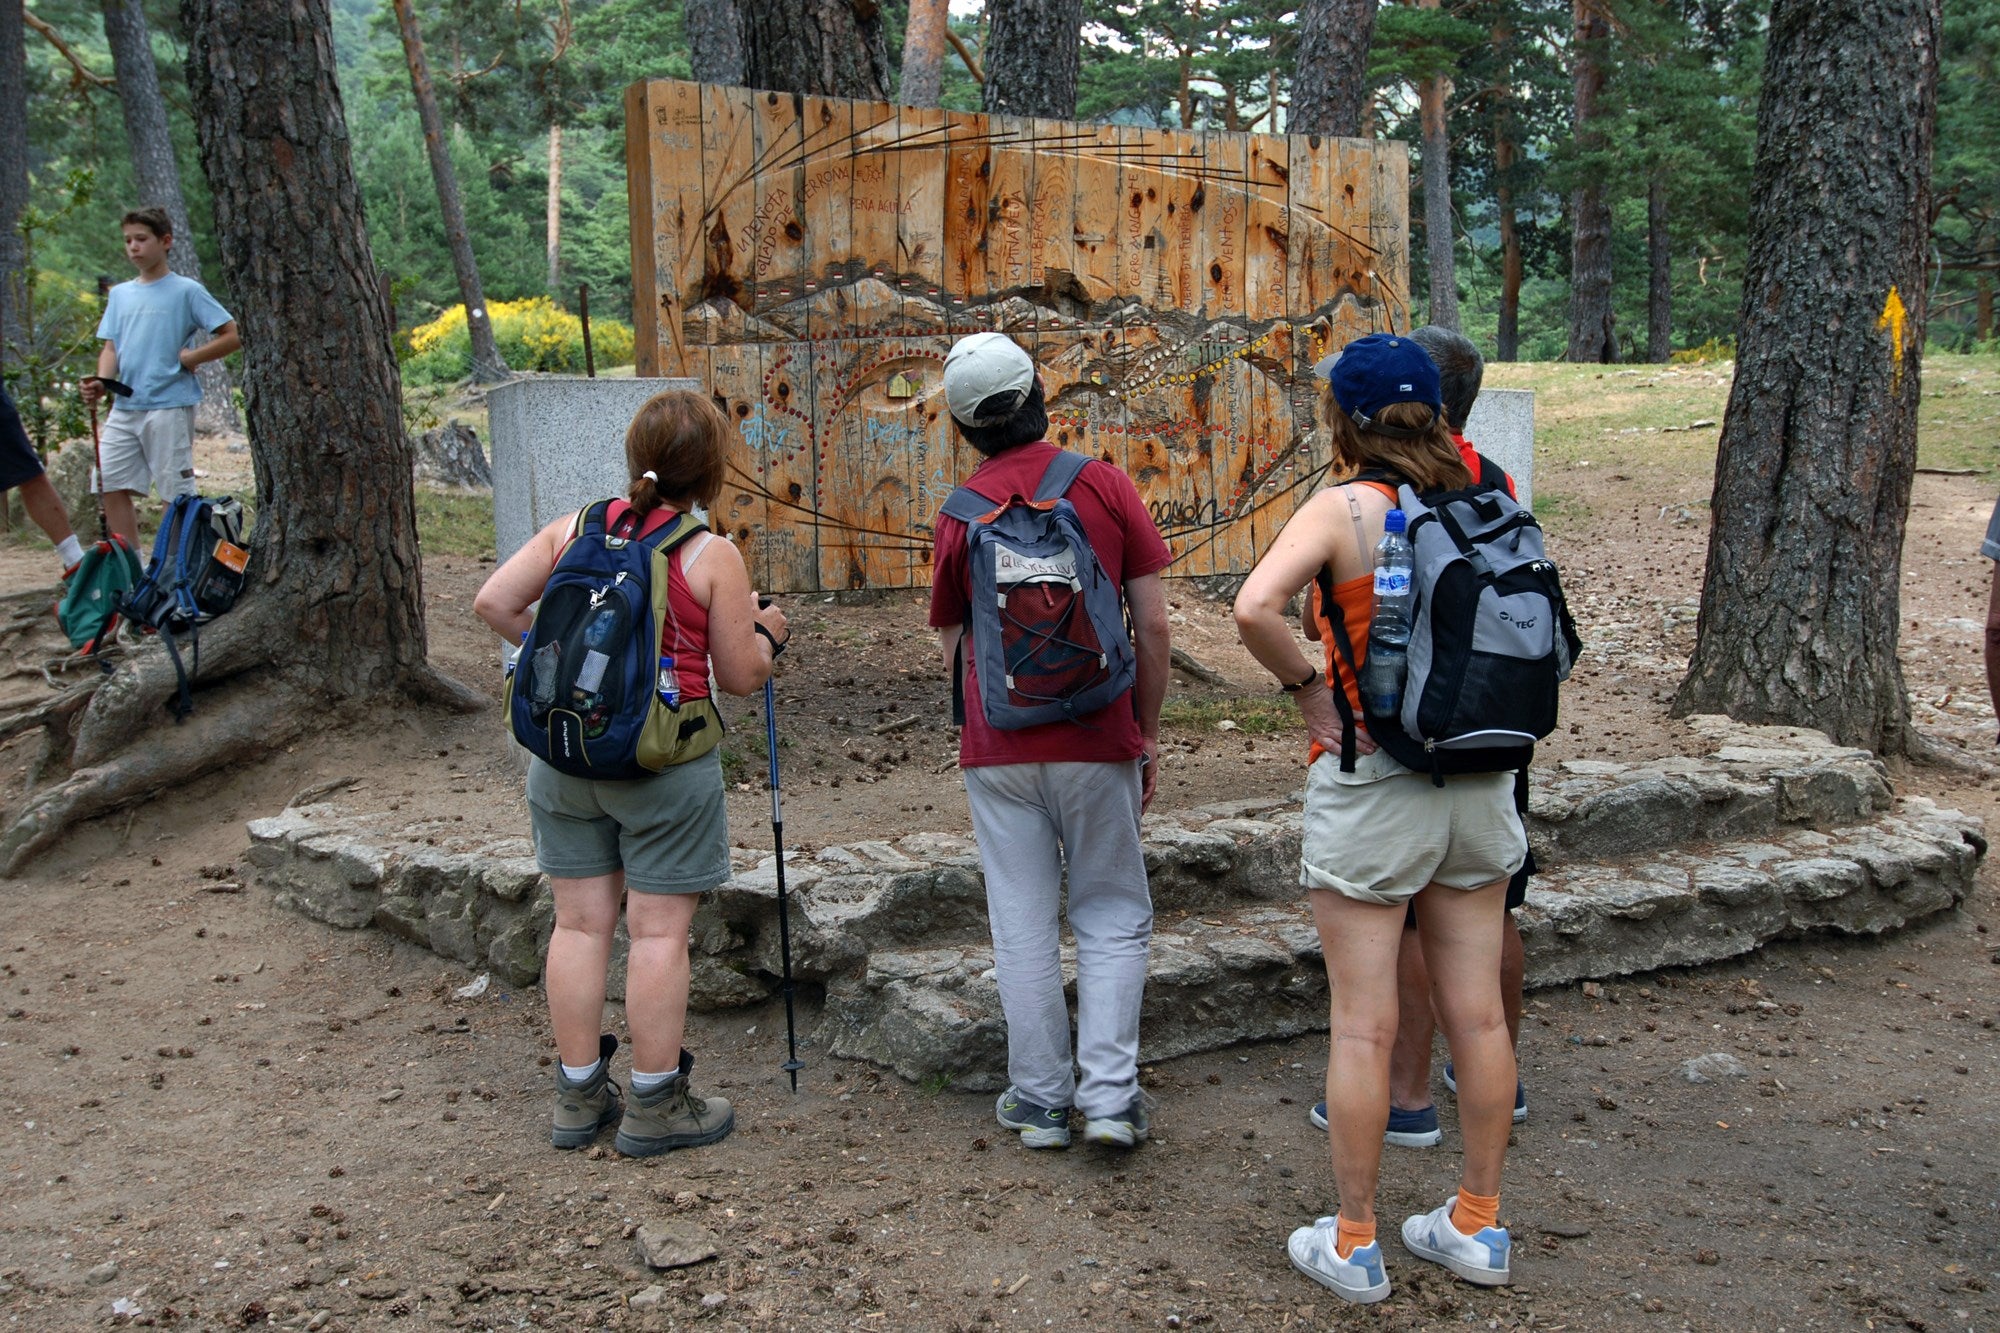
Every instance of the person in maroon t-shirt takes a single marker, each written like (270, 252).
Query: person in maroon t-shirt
(1063, 796)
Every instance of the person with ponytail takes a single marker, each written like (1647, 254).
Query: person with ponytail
(654, 844)
(1378, 837)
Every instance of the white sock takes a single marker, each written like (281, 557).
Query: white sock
(69, 550)
(579, 1073)
(644, 1083)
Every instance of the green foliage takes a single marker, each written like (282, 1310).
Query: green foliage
(1966, 176)
(58, 324)
(532, 334)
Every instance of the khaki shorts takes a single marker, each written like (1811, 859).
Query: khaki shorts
(1382, 834)
(141, 450)
(669, 832)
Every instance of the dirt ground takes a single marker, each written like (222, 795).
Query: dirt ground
(217, 1114)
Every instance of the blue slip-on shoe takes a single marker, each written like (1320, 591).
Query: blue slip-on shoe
(1038, 1126)
(1520, 1095)
(1359, 1277)
(1481, 1258)
(1407, 1129)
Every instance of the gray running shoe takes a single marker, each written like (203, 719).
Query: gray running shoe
(1038, 1126)
(1127, 1129)
(584, 1109)
(671, 1116)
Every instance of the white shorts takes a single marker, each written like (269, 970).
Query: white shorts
(1382, 833)
(141, 450)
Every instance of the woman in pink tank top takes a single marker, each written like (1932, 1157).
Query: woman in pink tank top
(650, 845)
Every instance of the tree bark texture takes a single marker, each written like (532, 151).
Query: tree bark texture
(1432, 96)
(1659, 275)
(1509, 335)
(334, 548)
(1330, 83)
(555, 213)
(13, 169)
(157, 175)
(715, 46)
(1982, 308)
(487, 367)
(828, 48)
(1799, 608)
(1592, 337)
(1033, 53)
(923, 53)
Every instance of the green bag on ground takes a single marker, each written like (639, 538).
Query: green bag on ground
(89, 608)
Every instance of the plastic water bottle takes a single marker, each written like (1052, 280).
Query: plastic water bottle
(1383, 670)
(669, 684)
(599, 628)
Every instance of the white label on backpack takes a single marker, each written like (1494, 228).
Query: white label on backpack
(1390, 582)
(1011, 567)
(591, 674)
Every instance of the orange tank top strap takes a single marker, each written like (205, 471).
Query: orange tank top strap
(1355, 600)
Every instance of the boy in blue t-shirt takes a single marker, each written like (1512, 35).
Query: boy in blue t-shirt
(148, 441)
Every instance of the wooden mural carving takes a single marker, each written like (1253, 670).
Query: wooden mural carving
(811, 259)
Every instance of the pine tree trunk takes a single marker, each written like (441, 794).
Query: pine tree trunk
(487, 367)
(1982, 308)
(715, 42)
(923, 53)
(1592, 337)
(1800, 607)
(1509, 337)
(1660, 275)
(13, 170)
(157, 175)
(1032, 57)
(1432, 96)
(1330, 84)
(832, 48)
(335, 538)
(555, 213)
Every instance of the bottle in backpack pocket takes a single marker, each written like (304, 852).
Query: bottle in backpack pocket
(669, 683)
(1387, 662)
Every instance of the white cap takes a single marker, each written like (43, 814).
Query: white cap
(981, 366)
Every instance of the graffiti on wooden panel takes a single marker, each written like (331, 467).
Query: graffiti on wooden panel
(811, 260)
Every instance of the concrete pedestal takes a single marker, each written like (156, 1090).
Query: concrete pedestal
(1502, 427)
(558, 444)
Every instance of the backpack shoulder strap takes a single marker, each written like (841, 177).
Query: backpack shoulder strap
(968, 506)
(1063, 470)
(1492, 476)
(665, 538)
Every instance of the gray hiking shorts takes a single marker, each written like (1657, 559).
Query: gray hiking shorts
(669, 833)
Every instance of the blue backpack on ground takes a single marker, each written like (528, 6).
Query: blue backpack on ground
(194, 576)
(1046, 622)
(591, 693)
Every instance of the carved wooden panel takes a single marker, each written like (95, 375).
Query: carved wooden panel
(812, 259)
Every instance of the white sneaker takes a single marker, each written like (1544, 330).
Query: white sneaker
(1359, 1277)
(1480, 1258)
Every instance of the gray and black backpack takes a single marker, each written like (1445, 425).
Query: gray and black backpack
(1491, 638)
(1046, 622)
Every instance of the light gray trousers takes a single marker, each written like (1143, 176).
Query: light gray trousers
(1031, 821)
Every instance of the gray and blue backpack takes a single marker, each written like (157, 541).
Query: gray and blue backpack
(1046, 624)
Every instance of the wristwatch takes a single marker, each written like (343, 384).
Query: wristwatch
(1311, 676)
(777, 648)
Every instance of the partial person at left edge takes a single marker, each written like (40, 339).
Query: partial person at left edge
(148, 441)
(21, 468)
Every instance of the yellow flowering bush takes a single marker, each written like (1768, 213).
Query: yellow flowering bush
(532, 334)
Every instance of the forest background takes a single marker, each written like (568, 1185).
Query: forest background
(1667, 134)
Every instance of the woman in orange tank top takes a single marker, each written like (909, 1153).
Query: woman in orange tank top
(1378, 837)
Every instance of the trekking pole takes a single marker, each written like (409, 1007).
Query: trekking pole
(792, 1065)
(97, 467)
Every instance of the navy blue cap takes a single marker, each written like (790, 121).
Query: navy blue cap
(1379, 371)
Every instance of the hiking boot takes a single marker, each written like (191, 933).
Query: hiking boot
(1520, 1094)
(584, 1109)
(671, 1116)
(1359, 1277)
(1038, 1126)
(1407, 1129)
(1481, 1258)
(1127, 1129)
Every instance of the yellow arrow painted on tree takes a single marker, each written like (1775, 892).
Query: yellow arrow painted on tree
(1893, 318)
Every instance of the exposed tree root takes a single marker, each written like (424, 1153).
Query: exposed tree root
(239, 727)
(431, 686)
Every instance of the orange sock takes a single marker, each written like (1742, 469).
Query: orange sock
(1351, 1236)
(1475, 1211)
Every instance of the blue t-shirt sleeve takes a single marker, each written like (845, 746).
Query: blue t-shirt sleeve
(112, 319)
(204, 311)
(1990, 548)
